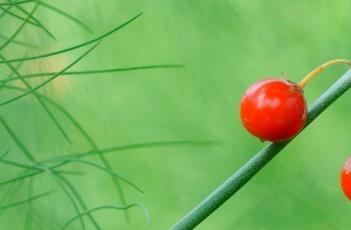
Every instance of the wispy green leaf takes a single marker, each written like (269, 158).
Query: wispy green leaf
(76, 46)
(108, 207)
(33, 89)
(17, 203)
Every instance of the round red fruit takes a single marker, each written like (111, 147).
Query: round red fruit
(273, 109)
(346, 178)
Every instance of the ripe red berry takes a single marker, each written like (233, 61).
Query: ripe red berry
(273, 109)
(346, 178)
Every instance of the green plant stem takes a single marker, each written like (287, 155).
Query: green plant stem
(257, 162)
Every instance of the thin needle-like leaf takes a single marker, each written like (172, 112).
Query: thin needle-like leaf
(48, 80)
(79, 199)
(9, 12)
(4, 154)
(16, 139)
(10, 191)
(3, 13)
(28, 220)
(85, 135)
(36, 21)
(92, 72)
(14, 204)
(18, 66)
(39, 225)
(65, 14)
(17, 164)
(65, 161)
(69, 172)
(105, 170)
(18, 42)
(20, 28)
(43, 105)
(68, 195)
(16, 2)
(76, 46)
(108, 207)
(62, 161)
(130, 147)
(146, 145)
(20, 177)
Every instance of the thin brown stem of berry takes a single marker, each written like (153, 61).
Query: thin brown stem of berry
(320, 69)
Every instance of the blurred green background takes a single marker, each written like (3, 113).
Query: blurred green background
(225, 46)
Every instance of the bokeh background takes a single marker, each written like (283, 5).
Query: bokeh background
(225, 46)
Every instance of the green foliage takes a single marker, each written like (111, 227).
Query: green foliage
(224, 46)
(52, 166)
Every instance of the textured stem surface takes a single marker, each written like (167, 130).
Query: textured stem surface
(257, 162)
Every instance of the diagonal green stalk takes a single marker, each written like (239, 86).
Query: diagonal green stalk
(235, 182)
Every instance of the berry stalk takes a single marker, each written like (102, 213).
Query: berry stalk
(235, 182)
(320, 69)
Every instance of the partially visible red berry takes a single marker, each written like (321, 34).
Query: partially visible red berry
(346, 178)
(274, 109)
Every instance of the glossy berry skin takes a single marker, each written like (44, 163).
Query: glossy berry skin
(273, 109)
(346, 178)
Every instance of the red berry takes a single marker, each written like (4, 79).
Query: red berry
(346, 178)
(273, 109)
